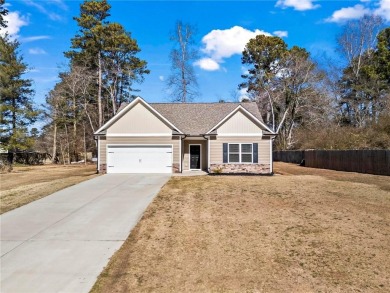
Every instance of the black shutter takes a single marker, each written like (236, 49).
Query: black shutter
(255, 153)
(225, 153)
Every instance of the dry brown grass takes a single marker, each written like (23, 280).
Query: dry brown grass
(26, 184)
(309, 230)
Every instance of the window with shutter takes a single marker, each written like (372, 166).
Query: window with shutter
(241, 153)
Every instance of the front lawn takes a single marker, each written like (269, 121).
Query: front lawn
(26, 184)
(306, 230)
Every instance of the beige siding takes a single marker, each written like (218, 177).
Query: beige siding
(239, 123)
(216, 151)
(264, 151)
(186, 155)
(102, 150)
(139, 120)
(140, 141)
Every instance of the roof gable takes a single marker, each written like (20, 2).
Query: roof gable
(129, 107)
(239, 123)
(259, 122)
(139, 120)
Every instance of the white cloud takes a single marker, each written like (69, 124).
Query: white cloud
(300, 5)
(243, 95)
(161, 77)
(281, 34)
(244, 70)
(221, 44)
(36, 51)
(207, 64)
(359, 10)
(52, 15)
(33, 39)
(347, 13)
(14, 22)
(384, 9)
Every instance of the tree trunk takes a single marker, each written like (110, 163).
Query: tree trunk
(54, 153)
(100, 90)
(67, 143)
(85, 146)
(74, 151)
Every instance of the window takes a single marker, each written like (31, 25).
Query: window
(240, 153)
(246, 153)
(234, 153)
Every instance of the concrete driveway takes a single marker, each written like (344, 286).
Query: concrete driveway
(62, 242)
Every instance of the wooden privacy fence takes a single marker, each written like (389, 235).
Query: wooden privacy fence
(289, 156)
(362, 161)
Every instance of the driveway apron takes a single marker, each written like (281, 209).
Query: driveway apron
(62, 242)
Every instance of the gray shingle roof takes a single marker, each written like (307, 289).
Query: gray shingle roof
(199, 118)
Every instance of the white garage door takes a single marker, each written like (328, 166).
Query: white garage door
(139, 159)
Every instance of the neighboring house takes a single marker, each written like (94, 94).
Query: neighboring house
(179, 137)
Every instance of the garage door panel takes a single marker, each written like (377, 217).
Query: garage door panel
(139, 159)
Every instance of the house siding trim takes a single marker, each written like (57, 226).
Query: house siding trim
(98, 156)
(138, 134)
(238, 134)
(208, 154)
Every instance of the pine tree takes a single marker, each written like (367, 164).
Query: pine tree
(17, 110)
(3, 12)
(107, 49)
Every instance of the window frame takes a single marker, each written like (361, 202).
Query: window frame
(240, 153)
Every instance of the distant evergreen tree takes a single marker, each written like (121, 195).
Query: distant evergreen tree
(3, 12)
(107, 49)
(17, 111)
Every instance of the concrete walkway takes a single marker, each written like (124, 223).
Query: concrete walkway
(62, 242)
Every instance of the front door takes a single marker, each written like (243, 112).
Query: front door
(195, 156)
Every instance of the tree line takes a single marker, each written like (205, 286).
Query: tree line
(307, 104)
(314, 106)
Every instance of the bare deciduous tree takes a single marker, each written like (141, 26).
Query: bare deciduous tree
(359, 86)
(182, 81)
(359, 38)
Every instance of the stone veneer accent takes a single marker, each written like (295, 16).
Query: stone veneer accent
(175, 168)
(240, 168)
(103, 169)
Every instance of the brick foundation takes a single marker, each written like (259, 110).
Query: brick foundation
(175, 168)
(103, 169)
(240, 168)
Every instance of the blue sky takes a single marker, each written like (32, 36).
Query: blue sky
(44, 29)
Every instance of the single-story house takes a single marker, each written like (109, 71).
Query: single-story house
(178, 137)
